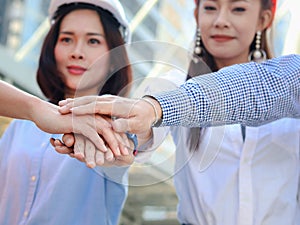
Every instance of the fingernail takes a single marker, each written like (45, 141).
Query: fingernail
(104, 148)
(109, 158)
(90, 164)
(62, 103)
(79, 156)
(118, 152)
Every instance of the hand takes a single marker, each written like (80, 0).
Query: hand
(47, 117)
(82, 149)
(133, 115)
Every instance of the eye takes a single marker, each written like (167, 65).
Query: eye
(239, 9)
(64, 39)
(94, 41)
(209, 8)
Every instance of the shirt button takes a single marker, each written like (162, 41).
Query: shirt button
(25, 214)
(33, 178)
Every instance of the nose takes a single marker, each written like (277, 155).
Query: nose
(77, 52)
(222, 19)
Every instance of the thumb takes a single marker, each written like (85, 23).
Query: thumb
(69, 139)
(131, 125)
(122, 125)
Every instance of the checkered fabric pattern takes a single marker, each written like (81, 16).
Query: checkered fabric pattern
(251, 94)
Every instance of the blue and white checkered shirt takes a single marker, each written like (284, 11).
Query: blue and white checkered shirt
(251, 94)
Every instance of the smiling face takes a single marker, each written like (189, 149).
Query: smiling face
(228, 28)
(80, 43)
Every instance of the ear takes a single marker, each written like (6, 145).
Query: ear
(266, 19)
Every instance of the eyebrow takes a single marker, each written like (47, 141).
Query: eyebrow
(240, 0)
(230, 0)
(89, 33)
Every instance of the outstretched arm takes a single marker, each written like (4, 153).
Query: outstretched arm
(251, 94)
(18, 104)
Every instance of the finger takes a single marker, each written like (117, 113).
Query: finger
(123, 143)
(124, 160)
(65, 101)
(109, 156)
(79, 158)
(79, 146)
(131, 125)
(78, 101)
(94, 137)
(105, 105)
(103, 108)
(67, 104)
(99, 158)
(90, 152)
(52, 142)
(60, 147)
(85, 125)
(108, 134)
(63, 149)
(111, 141)
(68, 139)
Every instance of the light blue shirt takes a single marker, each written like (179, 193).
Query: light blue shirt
(39, 186)
(251, 94)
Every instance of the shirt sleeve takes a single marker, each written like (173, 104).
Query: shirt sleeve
(251, 94)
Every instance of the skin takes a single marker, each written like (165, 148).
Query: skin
(43, 114)
(225, 29)
(32, 108)
(135, 116)
(226, 34)
(80, 44)
(82, 57)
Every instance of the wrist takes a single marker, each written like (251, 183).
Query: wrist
(156, 109)
(35, 105)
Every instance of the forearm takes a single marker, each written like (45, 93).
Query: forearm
(16, 103)
(251, 94)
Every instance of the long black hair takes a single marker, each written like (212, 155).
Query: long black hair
(50, 79)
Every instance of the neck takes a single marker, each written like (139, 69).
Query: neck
(221, 62)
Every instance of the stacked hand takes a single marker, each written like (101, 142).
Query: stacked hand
(130, 115)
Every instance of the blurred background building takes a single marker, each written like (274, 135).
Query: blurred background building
(165, 30)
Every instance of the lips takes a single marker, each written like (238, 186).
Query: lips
(76, 70)
(222, 38)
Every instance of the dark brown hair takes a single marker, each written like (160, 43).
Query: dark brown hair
(50, 79)
(196, 65)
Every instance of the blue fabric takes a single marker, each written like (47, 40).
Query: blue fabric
(39, 186)
(251, 94)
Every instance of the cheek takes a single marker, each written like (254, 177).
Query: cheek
(59, 55)
(205, 25)
(247, 35)
(100, 60)
(205, 34)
